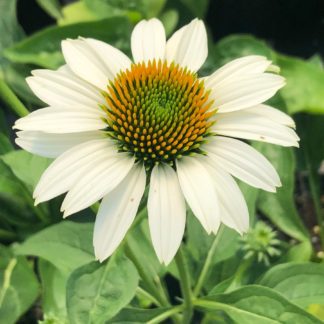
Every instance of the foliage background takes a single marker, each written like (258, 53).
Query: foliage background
(273, 275)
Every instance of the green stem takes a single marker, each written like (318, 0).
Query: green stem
(165, 315)
(238, 276)
(11, 100)
(141, 292)
(206, 267)
(185, 287)
(158, 294)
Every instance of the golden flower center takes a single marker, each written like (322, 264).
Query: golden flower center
(158, 112)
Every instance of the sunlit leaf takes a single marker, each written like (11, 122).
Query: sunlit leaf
(96, 292)
(38, 50)
(256, 304)
(67, 245)
(302, 284)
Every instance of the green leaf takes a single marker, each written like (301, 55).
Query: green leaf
(26, 167)
(67, 245)
(18, 286)
(96, 292)
(298, 253)
(139, 241)
(76, 12)
(8, 182)
(302, 284)
(280, 207)
(53, 290)
(138, 315)
(36, 49)
(10, 30)
(5, 144)
(199, 242)
(15, 76)
(235, 46)
(197, 8)
(170, 20)
(256, 304)
(304, 90)
(134, 9)
(251, 195)
(51, 7)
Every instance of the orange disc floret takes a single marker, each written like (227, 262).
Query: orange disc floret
(158, 112)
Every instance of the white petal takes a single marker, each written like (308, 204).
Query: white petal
(71, 166)
(233, 209)
(113, 59)
(62, 120)
(248, 125)
(273, 114)
(199, 192)
(166, 212)
(53, 145)
(117, 212)
(188, 46)
(247, 65)
(148, 41)
(94, 61)
(63, 89)
(243, 162)
(98, 181)
(246, 91)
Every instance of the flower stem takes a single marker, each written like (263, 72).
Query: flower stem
(205, 269)
(185, 287)
(173, 311)
(141, 292)
(158, 294)
(11, 100)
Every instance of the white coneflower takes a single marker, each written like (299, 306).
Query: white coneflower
(115, 125)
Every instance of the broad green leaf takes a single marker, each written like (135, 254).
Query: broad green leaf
(36, 49)
(317, 310)
(10, 30)
(304, 90)
(301, 283)
(256, 304)
(96, 292)
(280, 207)
(134, 9)
(138, 315)
(199, 242)
(26, 167)
(53, 290)
(111, 8)
(76, 12)
(18, 286)
(67, 245)
(51, 7)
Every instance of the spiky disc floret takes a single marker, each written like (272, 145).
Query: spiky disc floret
(158, 112)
